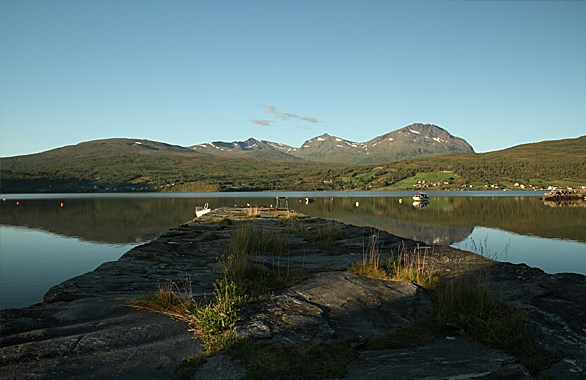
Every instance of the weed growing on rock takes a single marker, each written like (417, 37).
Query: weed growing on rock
(320, 235)
(249, 240)
(370, 266)
(223, 223)
(462, 305)
(328, 234)
(287, 215)
(413, 266)
(170, 300)
(264, 360)
(419, 333)
(465, 306)
(243, 281)
(253, 212)
(215, 321)
(212, 322)
(239, 266)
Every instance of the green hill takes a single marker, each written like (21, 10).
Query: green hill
(557, 163)
(142, 165)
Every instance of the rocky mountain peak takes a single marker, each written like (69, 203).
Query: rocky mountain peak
(413, 140)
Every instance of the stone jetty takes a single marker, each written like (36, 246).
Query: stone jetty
(86, 329)
(565, 195)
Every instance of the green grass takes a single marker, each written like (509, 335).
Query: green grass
(213, 322)
(462, 305)
(171, 300)
(243, 281)
(413, 266)
(253, 278)
(119, 165)
(419, 333)
(465, 306)
(216, 320)
(370, 266)
(429, 177)
(369, 175)
(187, 368)
(249, 240)
(293, 361)
(322, 235)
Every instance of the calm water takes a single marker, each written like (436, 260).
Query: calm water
(43, 244)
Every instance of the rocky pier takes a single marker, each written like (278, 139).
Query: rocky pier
(86, 328)
(565, 195)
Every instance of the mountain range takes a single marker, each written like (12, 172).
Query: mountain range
(411, 141)
(322, 163)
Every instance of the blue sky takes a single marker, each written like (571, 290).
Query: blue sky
(497, 73)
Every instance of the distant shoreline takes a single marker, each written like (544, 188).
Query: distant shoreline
(261, 194)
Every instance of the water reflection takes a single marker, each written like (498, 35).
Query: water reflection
(551, 255)
(448, 220)
(88, 231)
(32, 261)
(444, 220)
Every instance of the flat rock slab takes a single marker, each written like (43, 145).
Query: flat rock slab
(335, 305)
(443, 359)
(556, 308)
(92, 338)
(220, 367)
(85, 330)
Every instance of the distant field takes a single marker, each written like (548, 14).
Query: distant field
(123, 165)
(425, 177)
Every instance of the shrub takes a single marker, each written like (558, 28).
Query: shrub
(264, 360)
(370, 266)
(413, 266)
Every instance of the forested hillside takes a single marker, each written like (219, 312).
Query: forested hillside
(142, 165)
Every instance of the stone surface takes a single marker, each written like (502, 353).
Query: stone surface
(565, 195)
(556, 312)
(335, 305)
(85, 329)
(220, 367)
(444, 359)
(91, 338)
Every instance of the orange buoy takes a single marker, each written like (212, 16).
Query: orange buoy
(62, 204)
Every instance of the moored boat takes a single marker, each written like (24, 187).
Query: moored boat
(421, 197)
(199, 211)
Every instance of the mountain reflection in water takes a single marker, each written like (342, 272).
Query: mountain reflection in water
(47, 240)
(445, 220)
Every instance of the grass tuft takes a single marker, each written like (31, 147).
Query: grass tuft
(171, 300)
(413, 266)
(323, 236)
(239, 266)
(462, 305)
(288, 215)
(264, 360)
(370, 266)
(465, 306)
(253, 212)
(419, 333)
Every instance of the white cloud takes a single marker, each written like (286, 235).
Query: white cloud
(272, 110)
(261, 122)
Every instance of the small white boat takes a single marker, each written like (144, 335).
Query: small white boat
(199, 211)
(421, 197)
